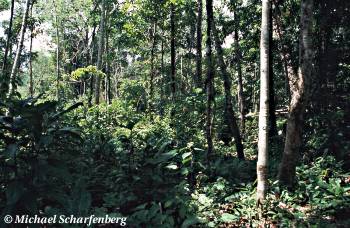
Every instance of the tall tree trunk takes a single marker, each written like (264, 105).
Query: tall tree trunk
(100, 52)
(210, 79)
(199, 45)
(12, 85)
(300, 85)
(31, 87)
(92, 78)
(284, 51)
(58, 73)
(153, 49)
(272, 104)
(108, 73)
(172, 50)
(87, 54)
(239, 74)
(229, 114)
(255, 102)
(162, 79)
(264, 103)
(8, 41)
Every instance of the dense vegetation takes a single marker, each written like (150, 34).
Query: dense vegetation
(149, 110)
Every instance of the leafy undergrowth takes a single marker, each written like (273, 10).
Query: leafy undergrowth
(320, 199)
(118, 161)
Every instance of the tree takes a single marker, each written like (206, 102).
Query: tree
(264, 103)
(31, 86)
(230, 118)
(172, 51)
(8, 40)
(108, 92)
(239, 75)
(210, 79)
(199, 44)
(100, 51)
(12, 84)
(58, 74)
(300, 85)
(272, 103)
(152, 74)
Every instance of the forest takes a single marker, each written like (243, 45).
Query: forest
(175, 113)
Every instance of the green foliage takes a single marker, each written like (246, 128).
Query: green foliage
(143, 155)
(4, 5)
(36, 155)
(86, 72)
(320, 198)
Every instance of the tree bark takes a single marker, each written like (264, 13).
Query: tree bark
(272, 104)
(153, 49)
(92, 78)
(239, 74)
(31, 86)
(172, 50)
(199, 45)
(9, 34)
(100, 52)
(210, 80)
(264, 104)
(108, 72)
(12, 84)
(162, 79)
(300, 85)
(229, 114)
(58, 73)
(284, 52)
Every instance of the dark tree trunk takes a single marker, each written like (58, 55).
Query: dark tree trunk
(58, 73)
(153, 50)
(162, 78)
(172, 50)
(108, 73)
(31, 86)
(230, 118)
(100, 52)
(300, 85)
(272, 104)
(8, 41)
(240, 81)
(16, 62)
(284, 51)
(199, 45)
(210, 80)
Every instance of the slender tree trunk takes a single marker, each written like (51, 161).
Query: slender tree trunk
(153, 49)
(199, 45)
(229, 114)
(284, 52)
(100, 52)
(255, 102)
(272, 104)
(172, 50)
(31, 87)
(108, 73)
(162, 79)
(58, 73)
(239, 74)
(210, 80)
(264, 104)
(8, 41)
(92, 78)
(300, 86)
(92, 44)
(12, 85)
(87, 54)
